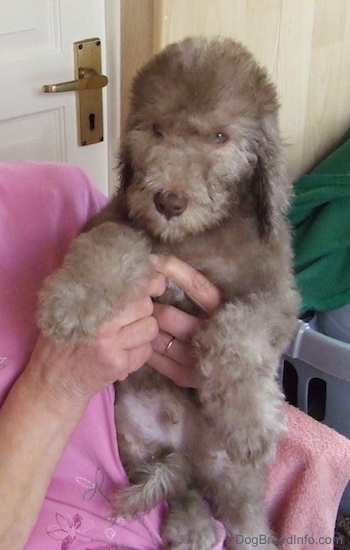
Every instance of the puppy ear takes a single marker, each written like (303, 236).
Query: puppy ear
(262, 199)
(271, 185)
(116, 209)
(126, 170)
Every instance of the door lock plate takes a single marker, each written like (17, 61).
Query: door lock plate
(87, 58)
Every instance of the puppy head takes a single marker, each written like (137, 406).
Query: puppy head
(202, 142)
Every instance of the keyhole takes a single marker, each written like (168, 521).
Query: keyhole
(92, 121)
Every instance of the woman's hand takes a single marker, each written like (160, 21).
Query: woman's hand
(144, 332)
(173, 353)
(123, 344)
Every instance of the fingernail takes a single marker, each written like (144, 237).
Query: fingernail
(154, 259)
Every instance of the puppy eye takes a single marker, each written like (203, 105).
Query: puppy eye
(157, 131)
(220, 137)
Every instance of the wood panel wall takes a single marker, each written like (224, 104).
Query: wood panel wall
(305, 45)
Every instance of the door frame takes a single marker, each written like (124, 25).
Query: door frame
(113, 64)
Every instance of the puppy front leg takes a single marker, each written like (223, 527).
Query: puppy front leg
(238, 362)
(103, 270)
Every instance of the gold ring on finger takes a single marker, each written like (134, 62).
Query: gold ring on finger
(169, 345)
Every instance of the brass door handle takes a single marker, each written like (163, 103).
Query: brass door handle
(88, 79)
(88, 85)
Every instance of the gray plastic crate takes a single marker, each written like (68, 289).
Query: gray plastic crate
(315, 375)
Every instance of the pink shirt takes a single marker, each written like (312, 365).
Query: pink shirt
(42, 207)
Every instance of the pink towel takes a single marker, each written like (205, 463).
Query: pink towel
(306, 483)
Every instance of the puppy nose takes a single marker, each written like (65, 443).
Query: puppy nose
(170, 204)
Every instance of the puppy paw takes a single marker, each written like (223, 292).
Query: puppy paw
(251, 542)
(199, 535)
(189, 524)
(104, 269)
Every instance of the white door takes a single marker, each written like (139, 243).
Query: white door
(36, 48)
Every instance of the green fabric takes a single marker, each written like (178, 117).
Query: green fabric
(320, 217)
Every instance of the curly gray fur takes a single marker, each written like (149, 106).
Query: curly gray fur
(202, 176)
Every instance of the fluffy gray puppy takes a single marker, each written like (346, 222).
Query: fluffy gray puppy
(202, 176)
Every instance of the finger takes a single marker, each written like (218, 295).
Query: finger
(179, 351)
(182, 375)
(142, 306)
(176, 322)
(139, 333)
(195, 284)
(156, 286)
(132, 361)
(134, 311)
(138, 356)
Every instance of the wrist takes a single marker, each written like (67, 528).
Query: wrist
(50, 399)
(51, 385)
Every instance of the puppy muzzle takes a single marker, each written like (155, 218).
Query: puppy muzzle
(170, 204)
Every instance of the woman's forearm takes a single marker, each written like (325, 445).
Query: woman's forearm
(34, 430)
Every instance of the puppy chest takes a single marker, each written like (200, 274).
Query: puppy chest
(231, 258)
